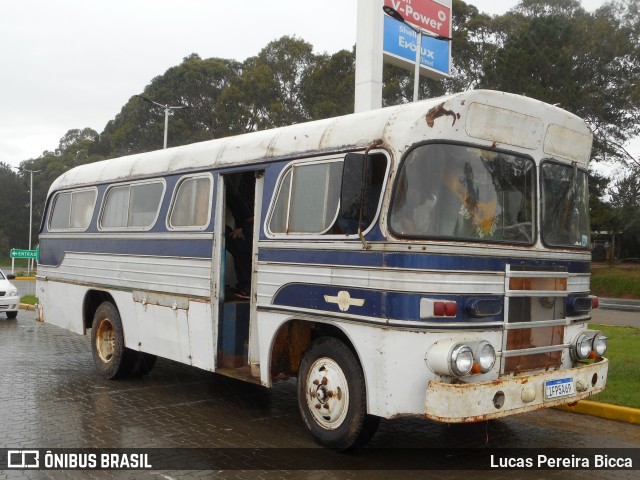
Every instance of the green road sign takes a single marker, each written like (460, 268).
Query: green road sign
(15, 253)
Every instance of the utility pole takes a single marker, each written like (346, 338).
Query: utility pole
(31, 172)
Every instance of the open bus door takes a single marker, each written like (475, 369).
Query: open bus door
(236, 234)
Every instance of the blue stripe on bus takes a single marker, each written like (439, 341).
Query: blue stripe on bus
(52, 251)
(414, 261)
(377, 304)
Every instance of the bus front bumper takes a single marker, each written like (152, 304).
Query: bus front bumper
(475, 402)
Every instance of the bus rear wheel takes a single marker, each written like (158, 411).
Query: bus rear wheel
(111, 358)
(332, 396)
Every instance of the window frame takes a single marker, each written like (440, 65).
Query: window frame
(112, 186)
(174, 197)
(72, 192)
(580, 248)
(445, 238)
(314, 161)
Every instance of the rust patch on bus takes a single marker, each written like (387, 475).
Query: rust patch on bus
(289, 346)
(439, 111)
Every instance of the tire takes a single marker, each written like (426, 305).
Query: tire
(111, 358)
(332, 396)
(144, 363)
(12, 315)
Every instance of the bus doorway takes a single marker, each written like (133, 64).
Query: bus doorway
(236, 239)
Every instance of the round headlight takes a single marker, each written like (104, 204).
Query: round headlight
(13, 293)
(461, 360)
(600, 344)
(486, 357)
(583, 346)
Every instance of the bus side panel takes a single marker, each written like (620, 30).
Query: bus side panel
(202, 335)
(61, 304)
(163, 331)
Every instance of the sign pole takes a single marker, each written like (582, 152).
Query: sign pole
(416, 78)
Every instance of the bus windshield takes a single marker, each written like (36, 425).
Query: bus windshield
(466, 193)
(565, 206)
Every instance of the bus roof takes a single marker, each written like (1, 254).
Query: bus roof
(488, 118)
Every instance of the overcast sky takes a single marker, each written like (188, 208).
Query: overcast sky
(74, 63)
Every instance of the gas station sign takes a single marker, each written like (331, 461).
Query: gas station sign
(399, 41)
(430, 15)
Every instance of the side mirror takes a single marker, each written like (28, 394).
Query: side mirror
(11, 276)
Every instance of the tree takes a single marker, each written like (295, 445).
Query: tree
(329, 89)
(195, 83)
(625, 199)
(555, 51)
(14, 199)
(268, 93)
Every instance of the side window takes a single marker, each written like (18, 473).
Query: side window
(308, 199)
(132, 206)
(73, 210)
(192, 203)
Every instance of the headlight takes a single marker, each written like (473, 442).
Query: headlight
(13, 293)
(600, 344)
(485, 356)
(461, 360)
(582, 347)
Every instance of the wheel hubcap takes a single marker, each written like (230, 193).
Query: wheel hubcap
(327, 393)
(105, 340)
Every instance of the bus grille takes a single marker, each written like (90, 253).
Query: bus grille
(535, 312)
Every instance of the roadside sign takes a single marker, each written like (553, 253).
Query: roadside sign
(399, 48)
(399, 42)
(431, 15)
(15, 253)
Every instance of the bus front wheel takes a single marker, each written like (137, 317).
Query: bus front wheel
(111, 358)
(332, 396)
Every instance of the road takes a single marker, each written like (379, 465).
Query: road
(616, 317)
(51, 397)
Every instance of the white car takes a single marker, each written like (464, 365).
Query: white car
(9, 297)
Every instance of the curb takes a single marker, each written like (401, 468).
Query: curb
(26, 306)
(604, 410)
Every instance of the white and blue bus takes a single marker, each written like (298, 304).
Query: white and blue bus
(425, 259)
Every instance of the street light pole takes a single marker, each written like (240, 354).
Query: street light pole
(393, 13)
(166, 114)
(31, 172)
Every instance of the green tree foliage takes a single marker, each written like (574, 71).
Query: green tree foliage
(625, 200)
(14, 201)
(195, 83)
(328, 89)
(555, 51)
(602, 212)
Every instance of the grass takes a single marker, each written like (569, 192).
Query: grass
(29, 299)
(623, 382)
(617, 281)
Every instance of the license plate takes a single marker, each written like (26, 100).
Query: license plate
(559, 388)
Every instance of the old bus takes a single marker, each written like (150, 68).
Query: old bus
(425, 259)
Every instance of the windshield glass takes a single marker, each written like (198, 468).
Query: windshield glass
(467, 193)
(565, 206)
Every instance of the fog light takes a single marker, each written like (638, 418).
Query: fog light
(600, 344)
(461, 360)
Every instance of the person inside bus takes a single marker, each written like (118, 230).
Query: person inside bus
(240, 197)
